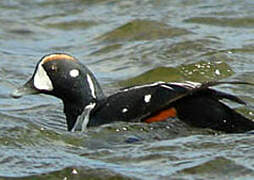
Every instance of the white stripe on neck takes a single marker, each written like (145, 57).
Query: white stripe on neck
(91, 85)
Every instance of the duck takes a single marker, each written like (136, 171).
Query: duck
(85, 104)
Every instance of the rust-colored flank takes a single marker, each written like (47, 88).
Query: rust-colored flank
(162, 115)
(54, 57)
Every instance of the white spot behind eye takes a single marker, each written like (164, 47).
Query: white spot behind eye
(147, 98)
(42, 80)
(74, 73)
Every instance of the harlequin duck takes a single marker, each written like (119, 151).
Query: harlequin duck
(85, 104)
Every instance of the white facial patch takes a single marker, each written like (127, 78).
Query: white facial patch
(42, 80)
(147, 98)
(74, 73)
(91, 85)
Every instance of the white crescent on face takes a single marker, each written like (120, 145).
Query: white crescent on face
(42, 80)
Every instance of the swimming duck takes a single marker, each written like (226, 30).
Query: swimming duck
(85, 104)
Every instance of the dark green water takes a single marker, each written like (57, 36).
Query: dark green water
(124, 43)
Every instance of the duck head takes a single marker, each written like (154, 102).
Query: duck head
(64, 77)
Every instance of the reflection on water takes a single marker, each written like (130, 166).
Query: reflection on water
(124, 43)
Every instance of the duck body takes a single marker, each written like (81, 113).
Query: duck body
(85, 104)
(159, 101)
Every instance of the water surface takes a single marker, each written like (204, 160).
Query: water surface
(124, 43)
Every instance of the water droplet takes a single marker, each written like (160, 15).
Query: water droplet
(124, 128)
(74, 171)
(217, 72)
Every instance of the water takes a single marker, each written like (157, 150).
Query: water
(124, 43)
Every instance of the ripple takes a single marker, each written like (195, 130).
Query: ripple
(125, 43)
(243, 22)
(139, 30)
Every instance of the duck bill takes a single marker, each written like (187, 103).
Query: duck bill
(27, 89)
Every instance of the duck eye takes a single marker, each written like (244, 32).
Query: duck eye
(53, 67)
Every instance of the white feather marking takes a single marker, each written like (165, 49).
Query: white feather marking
(74, 73)
(147, 98)
(146, 85)
(42, 80)
(84, 118)
(187, 84)
(91, 85)
(124, 110)
(167, 87)
(194, 84)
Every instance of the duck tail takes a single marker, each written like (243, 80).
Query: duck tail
(202, 108)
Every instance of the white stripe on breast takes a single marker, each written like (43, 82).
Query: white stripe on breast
(83, 119)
